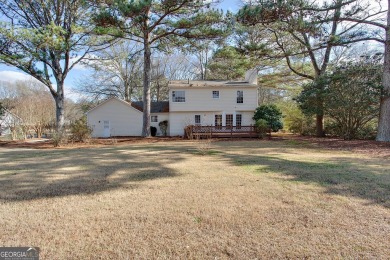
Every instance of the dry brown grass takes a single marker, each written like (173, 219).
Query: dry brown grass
(244, 200)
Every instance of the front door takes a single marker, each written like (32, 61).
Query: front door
(106, 129)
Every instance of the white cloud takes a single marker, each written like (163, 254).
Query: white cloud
(11, 76)
(72, 94)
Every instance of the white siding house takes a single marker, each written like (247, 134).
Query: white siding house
(204, 103)
(115, 117)
(159, 112)
(8, 122)
(210, 103)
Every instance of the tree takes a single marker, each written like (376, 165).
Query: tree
(202, 50)
(384, 115)
(1, 109)
(270, 114)
(351, 95)
(116, 72)
(166, 67)
(158, 24)
(306, 33)
(32, 103)
(228, 64)
(46, 39)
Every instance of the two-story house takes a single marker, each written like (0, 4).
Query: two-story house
(202, 103)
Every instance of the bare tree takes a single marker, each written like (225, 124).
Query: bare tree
(166, 67)
(31, 103)
(117, 71)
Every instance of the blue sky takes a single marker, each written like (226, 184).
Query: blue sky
(11, 74)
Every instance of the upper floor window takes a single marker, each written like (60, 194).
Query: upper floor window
(179, 96)
(240, 96)
(215, 93)
(154, 118)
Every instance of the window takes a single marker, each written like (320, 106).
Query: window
(218, 121)
(240, 96)
(197, 119)
(229, 120)
(238, 121)
(179, 96)
(154, 118)
(215, 93)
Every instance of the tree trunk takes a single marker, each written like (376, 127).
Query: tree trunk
(158, 91)
(320, 125)
(60, 108)
(384, 116)
(127, 91)
(320, 114)
(39, 132)
(146, 85)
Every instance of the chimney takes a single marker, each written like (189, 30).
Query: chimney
(251, 76)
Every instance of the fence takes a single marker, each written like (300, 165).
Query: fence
(195, 131)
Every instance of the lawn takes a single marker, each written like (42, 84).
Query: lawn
(242, 200)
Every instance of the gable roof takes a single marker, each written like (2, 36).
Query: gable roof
(155, 107)
(7, 112)
(109, 99)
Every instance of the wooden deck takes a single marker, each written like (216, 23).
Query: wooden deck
(198, 132)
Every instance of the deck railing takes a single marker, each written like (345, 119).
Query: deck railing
(197, 131)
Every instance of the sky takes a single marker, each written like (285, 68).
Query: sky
(12, 74)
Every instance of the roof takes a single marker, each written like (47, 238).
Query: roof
(109, 99)
(6, 111)
(208, 83)
(155, 107)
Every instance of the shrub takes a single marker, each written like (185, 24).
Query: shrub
(59, 138)
(262, 127)
(304, 125)
(203, 147)
(163, 127)
(80, 131)
(271, 114)
(367, 131)
(349, 96)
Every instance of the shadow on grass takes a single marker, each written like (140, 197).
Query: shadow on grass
(31, 174)
(343, 176)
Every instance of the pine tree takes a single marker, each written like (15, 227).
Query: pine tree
(158, 25)
(42, 37)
